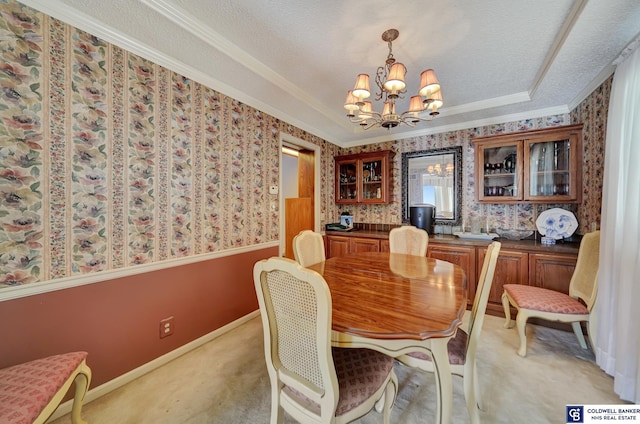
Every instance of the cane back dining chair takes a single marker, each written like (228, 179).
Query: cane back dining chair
(409, 240)
(31, 392)
(462, 348)
(310, 380)
(308, 248)
(551, 305)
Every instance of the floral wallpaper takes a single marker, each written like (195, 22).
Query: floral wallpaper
(108, 160)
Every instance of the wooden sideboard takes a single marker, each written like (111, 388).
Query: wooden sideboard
(520, 262)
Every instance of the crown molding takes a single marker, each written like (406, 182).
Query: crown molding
(539, 113)
(559, 41)
(594, 84)
(216, 40)
(62, 12)
(59, 10)
(507, 100)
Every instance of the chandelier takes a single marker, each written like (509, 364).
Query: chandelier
(440, 170)
(390, 81)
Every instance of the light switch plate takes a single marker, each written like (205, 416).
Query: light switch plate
(273, 189)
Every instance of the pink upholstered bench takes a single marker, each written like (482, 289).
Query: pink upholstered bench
(31, 392)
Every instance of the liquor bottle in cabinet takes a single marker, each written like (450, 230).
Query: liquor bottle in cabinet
(363, 177)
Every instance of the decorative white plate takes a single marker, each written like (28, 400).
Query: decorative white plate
(557, 223)
(481, 236)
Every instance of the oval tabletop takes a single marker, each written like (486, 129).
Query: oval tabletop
(385, 295)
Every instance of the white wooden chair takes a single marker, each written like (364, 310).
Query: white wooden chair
(31, 392)
(462, 348)
(551, 305)
(310, 380)
(308, 248)
(409, 240)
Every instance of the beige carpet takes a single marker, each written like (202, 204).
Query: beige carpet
(225, 381)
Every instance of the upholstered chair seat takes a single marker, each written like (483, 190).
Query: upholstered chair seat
(354, 391)
(456, 348)
(544, 300)
(31, 392)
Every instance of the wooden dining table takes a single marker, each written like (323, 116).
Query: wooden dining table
(396, 304)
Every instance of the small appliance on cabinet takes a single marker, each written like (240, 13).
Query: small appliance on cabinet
(423, 217)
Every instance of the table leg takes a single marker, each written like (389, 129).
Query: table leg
(444, 385)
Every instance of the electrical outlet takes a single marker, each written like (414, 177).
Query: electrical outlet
(166, 327)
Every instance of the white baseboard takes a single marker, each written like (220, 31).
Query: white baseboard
(120, 381)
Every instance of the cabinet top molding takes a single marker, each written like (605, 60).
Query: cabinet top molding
(523, 135)
(366, 155)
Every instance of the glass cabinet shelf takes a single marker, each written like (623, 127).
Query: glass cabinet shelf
(363, 177)
(539, 166)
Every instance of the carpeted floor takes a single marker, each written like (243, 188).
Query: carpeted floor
(225, 381)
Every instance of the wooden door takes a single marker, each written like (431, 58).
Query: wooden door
(298, 217)
(299, 212)
(552, 272)
(359, 245)
(337, 246)
(384, 245)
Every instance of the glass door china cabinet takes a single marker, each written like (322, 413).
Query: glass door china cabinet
(499, 171)
(363, 177)
(539, 166)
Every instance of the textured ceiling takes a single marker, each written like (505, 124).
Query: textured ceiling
(496, 60)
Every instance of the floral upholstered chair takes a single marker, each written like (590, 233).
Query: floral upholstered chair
(551, 305)
(31, 392)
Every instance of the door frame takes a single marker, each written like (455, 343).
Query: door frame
(289, 140)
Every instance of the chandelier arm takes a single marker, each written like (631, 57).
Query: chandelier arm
(373, 124)
(407, 116)
(406, 121)
(373, 115)
(381, 76)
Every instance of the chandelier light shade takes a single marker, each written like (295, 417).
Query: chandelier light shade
(428, 83)
(395, 81)
(351, 103)
(390, 80)
(361, 89)
(415, 104)
(435, 103)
